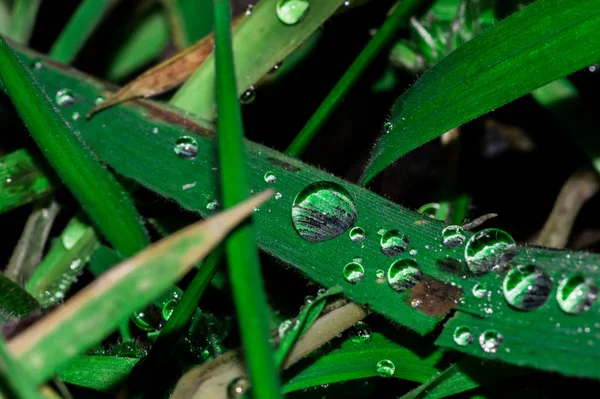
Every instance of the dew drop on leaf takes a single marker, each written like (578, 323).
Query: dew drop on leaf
(290, 12)
(37, 65)
(357, 234)
(212, 205)
(576, 294)
(99, 100)
(270, 178)
(462, 336)
(65, 98)
(360, 333)
(487, 249)
(480, 290)
(354, 272)
(453, 236)
(404, 274)
(385, 368)
(387, 127)
(237, 388)
(490, 341)
(526, 287)
(322, 211)
(75, 116)
(393, 243)
(380, 274)
(429, 209)
(278, 196)
(186, 147)
(284, 327)
(248, 96)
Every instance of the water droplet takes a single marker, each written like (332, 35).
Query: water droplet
(37, 65)
(237, 388)
(354, 272)
(155, 130)
(347, 3)
(278, 196)
(526, 287)
(385, 368)
(576, 294)
(290, 12)
(309, 299)
(380, 273)
(387, 127)
(462, 336)
(480, 290)
(168, 308)
(404, 274)
(357, 234)
(453, 236)
(248, 96)
(99, 100)
(212, 205)
(322, 211)
(75, 116)
(186, 147)
(276, 67)
(321, 291)
(270, 178)
(416, 303)
(429, 209)
(249, 9)
(65, 98)
(284, 327)
(487, 249)
(490, 341)
(393, 243)
(360, 333)
(413, 252)
(145, 321)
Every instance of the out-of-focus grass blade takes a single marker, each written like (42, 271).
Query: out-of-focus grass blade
(102, 373)
(4, 17)
(15, 382)
(253, 58)
(241, 249)
(542, 42)
(191, 20)
(14, 301)
(22, 19)
(95, 311)
(79, 28)
(22, 180)
(101, 196)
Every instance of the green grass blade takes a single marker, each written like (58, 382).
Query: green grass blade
(399, 16)
(240, 247)
(191, 20)
(22, 19)
(95, 311)
(253, 59)
(101, 373)
(82, 24)
(542, 42)
(14, 381)
(23, 179)
(14, 301)
(101, 196)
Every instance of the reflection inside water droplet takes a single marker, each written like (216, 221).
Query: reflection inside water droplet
(404, 274)
(490, 341)
(576, 294)
(487, 249)
(357, 234)
(291, 12)
(65, 98)
(526, 287)
(453, 236)
(353, 272)
(360, 333)
(270, 178)
(480, 290)
(186, 147)
(462, 336)
(393, 243)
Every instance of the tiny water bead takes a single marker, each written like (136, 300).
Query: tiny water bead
(99, 100)
(37, 64)
(380, 273)
(278, 196)
(385, 368)
(212, 205)
(487, 249)
(387, 127)
(490, 341)
(480, 290)
(462, 336)
(270, 178)
(416, 303)
(322, 211)
(290, 12)
(404, 274)
(237, 388)
(360, 333)
(248, 96)
(186, 147)
(576, 294)
(357, 234)
(284, 327)
(75, 116)
(354, 272)
(453, 236)
(65, 98)
(393, 243)
(526, 287)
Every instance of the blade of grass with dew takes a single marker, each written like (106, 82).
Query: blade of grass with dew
(242, 253)
(101, 373)
(22, 19)
(101, 196)
(65, 260)
(69, 330)
(191, 20)
(80, 27)
(23, 179)
(540, 43)
(14, 300)
(253, 59)
(14, 379)
(397, 18)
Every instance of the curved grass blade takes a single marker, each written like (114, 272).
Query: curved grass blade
(398, 17)
(101, 196)
(253, 59)
(14, 379)
(191, 20)
(79, 28)
(22, 19)
(101, 373)
(14, 301)
(71, 329)
(542, 42)
(242, 253)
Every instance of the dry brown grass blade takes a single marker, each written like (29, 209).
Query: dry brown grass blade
(164, 76)
(213, 379)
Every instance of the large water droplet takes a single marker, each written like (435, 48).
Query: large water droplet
(462, 336)
(357, 234)
(290, 12)
(270, 178)
(248, 96)
(237, 388)
(147, 319)
(490, 341)
(186, 147)
(354, 272)
(487, 249)
(393, 243)
(65, 98)
(404, 274)
(526, 287)
(453, 236)
(360, 333)
(385, 368)
(322, 211)
(576, 294)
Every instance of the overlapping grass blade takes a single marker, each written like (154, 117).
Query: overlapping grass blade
(191, 20)
(14, 380)
(22, 19)
(14, 301)
(532, 47)
(101, 373)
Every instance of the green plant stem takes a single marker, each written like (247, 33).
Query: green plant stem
(79, 28)
(14, 381)
(99, 193)
(398, 17)
(242, 253)
(23, 19)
